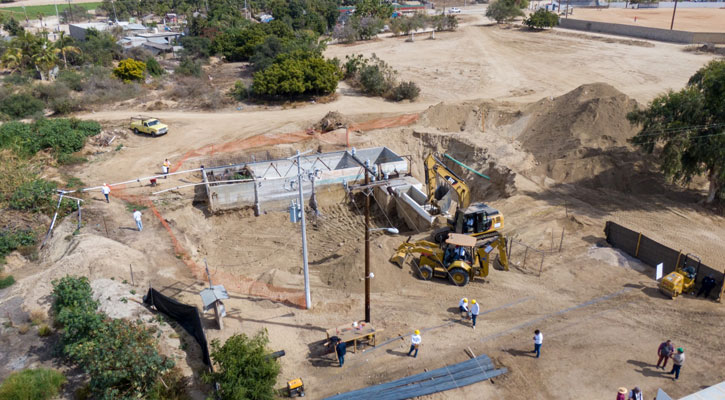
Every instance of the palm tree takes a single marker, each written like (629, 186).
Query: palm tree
(45, 58)
(63, 49)
(12, 59)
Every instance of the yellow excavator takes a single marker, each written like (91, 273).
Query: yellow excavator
(682, 279)
(477, 219)
(460, 259)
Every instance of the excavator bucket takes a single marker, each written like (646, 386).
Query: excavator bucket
(399, 258)
(406, 248)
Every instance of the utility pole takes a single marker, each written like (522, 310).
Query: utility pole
(566, 16)
(367, 244)
(308, 301)
(672, 24)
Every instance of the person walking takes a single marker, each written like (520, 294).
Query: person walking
(414, 343)
(678, 359)
(137, 218)
(707, 285)
(538, 341)
(106, 190)
(636, 394)
(474, 312)
(622, 393)
(665, 352)
(166, 167)
(463, 307)
(341, 350)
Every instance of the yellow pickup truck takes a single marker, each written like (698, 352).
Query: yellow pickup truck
(151, 126)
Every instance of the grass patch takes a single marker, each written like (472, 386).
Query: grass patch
(44, 330)
(133, 206)
(37, 384)
(6, 281)
(46, 10)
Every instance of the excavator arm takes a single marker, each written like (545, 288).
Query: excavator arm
(437, 174)
(484, 254)
(422, 247)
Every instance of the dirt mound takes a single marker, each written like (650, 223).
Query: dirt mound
(333, 120)
(591, 116)
(452, 117)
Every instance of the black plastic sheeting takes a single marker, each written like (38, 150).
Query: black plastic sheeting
(185, 315)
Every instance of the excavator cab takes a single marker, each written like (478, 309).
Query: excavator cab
(478, 220)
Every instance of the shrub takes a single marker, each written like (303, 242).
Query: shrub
(240, 91)
(196, 47)
(130, 70)
(244, 370)
(36, 384)
(10, 240)
(6, 281)
(153, 67)
(298, 73)
(64, 136)
(100, 87)
(367, 27)
(506, 10)
(345, 33)
(35, 195)
(44, 330)
(405, 91)
(72, 79)
(21, 105)
(542, 19)
(73, 292)
(189, 67)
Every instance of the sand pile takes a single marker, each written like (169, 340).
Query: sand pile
(333, 120)
(452, 117)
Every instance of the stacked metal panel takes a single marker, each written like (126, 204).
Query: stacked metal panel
(450, 377)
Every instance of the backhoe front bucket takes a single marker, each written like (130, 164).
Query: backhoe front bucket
(399, 258)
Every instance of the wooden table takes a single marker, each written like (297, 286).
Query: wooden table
(347, 333)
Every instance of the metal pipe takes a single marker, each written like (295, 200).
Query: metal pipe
(78, 202)
(308, 300)
(672, 24)
(367, 246)
(52, 223)
(134, 180)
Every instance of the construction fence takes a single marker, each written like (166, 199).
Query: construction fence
(529, 259)
(652, 252)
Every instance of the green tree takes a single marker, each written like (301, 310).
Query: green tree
(196, 47)
(243, 368)
(153, 67)
(506, 10)
(542, 19)
(100, 48)
(373, 8)
(13, 27)
(130, 70)
(65, 47)
(298, 73)
(45, 58)
(686, 129)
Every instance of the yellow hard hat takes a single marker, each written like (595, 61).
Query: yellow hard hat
(473, 301)
(417, 332)
(465, 300)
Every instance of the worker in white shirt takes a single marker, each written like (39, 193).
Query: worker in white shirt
(474, 312)
(414, 343)
(538, 341)
(137, 218)
(166, 167)
(106, 190)
(678, 359)
(463, 308)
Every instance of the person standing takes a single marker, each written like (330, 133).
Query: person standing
(622, 393)
(463, 307)
(665, 352)
(538, 341)
(414, 343)
(678, 359)
(707, 285)
(341, 350)
(636, 394)
(137, 218)
(106, 190)
(474, 312)
(166, 167)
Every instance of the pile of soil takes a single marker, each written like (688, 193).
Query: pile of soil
(333, 120)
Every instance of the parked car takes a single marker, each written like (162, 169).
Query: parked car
(151, 126)
(454, 10)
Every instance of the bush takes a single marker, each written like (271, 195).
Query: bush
(153, 67)
(542, 19)
(196, 47)
(35, 195)
(130, 70)
(21, 106)
(72, 79)
(405, 91)
(73, 292)
(189, 67)
(35, 384)
(299, 73)
(44, 330)
(345, 33)
(100, 87)
(11, 240)
(6, 281)
(244, 370)
(506, 10)
(240, 91)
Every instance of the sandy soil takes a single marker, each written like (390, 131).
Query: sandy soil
(503, 92)
(686, 19)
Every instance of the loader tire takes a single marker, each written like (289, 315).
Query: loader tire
(426, 273)
(458, 276)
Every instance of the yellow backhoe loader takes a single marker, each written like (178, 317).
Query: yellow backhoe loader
(460, 259)
(682, 279)
(477, 219)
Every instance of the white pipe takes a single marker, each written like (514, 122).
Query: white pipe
(132, 181)
(202, 183)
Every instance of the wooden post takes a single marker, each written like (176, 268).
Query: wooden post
(639, 239)
(561, 242)
(78, 202)
(218, 315)
(722, 289)
(104, 225)
(133, 283)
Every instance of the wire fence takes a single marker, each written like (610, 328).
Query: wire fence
(529, 259)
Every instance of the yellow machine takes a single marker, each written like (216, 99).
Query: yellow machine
(149, 125)
(477, 219)
(682, 279)
(460, 259)
(295, 387)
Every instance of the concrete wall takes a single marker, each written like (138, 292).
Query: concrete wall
(663, 35)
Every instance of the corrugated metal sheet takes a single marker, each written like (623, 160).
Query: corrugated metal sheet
(715, 392)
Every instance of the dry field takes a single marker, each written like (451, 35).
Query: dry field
(600, 312)
(686, 19)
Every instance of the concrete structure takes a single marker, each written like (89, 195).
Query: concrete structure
(663, 35)
(78, 31)
(271, 185)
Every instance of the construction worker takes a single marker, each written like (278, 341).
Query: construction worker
(414, 343)
(463, 307)
(678, 359)
(538, 341)
(341, 350)
(636, 394)
(707, 285)
(664, 352)
(474, 312)
(460, 253)
(166, 167)
(137, 218)
(106, 190)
